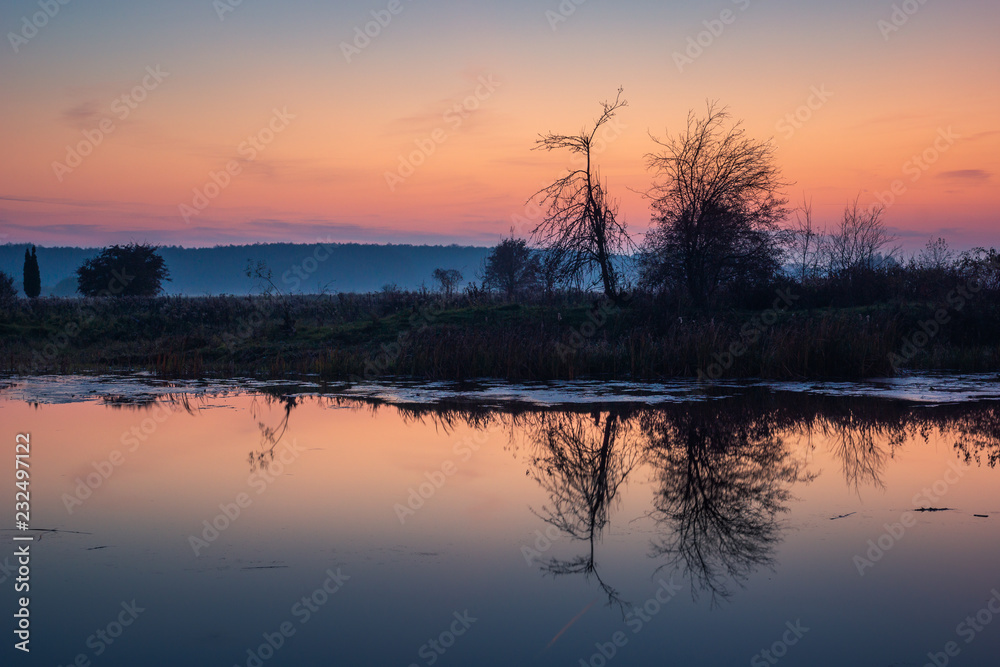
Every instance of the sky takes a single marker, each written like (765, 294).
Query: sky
(201, 122)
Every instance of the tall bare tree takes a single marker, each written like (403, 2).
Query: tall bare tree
(581, 229)
(717, 203)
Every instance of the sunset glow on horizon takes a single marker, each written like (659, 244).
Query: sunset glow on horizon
(200, 123)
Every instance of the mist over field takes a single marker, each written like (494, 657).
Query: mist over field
(297, 268)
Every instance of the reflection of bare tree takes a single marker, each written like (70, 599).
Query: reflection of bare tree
(979, 431)
(862, 456)
(581, 463)
(724, 476)
(270, 436)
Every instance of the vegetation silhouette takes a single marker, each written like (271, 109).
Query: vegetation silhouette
(130, 270)
(32, 280)
(717, 203)
(580, 230)
(723, 469)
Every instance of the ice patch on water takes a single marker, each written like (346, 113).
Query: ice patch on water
(922, 388)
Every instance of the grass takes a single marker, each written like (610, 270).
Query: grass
(347, 336)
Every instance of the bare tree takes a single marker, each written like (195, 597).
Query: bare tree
(581, 229)
(716, 201)
(936, 256)
(807, 243)
(449, 279)
(861, 242)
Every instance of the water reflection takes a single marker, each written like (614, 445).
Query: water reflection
(724, 478)
(270, 436)
(723, 470)
(581, 461)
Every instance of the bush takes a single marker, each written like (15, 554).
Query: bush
(131, 270)
(8, 295)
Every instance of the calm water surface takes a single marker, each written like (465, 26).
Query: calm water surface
(573, 524)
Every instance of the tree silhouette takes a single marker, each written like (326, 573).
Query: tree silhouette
(449, 279)
(716, 201)
(580, 229)
(130, 270)
(32, 275)
(511, 267)
(8, 295)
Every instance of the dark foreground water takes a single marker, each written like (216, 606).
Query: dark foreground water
(569, 524)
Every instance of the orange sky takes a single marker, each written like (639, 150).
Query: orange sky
(887, 94)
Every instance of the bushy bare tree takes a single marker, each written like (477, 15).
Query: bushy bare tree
(717, 203)
(449, 279)
(581, 230)
(935, 256)
(861, 242)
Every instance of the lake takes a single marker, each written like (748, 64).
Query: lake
(588, 523)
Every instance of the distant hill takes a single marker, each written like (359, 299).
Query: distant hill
(296, 268)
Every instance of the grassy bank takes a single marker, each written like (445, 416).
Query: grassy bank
(351, 336)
